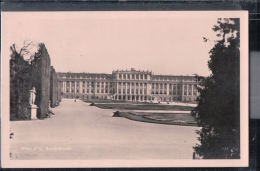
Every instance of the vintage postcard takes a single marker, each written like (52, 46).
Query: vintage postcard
(124, 89)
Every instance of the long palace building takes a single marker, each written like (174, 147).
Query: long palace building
(128, 85)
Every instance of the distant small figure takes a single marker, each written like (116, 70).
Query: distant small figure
(75, 100)
(205, 39)
(11, 135)
(11, 155)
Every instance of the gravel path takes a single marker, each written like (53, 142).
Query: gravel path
(79, 131)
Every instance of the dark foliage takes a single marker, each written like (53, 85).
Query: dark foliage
(41, 80)
(218, 104)
(25, 74)
(20, 84)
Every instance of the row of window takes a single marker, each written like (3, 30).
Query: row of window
(187, 86)
(124, 97)
(138, 76)
(128, 84)
(133, 85)
(163, 99)
(86, 83)
(89, 91)
(173, 79)
(87, 77)
(161, 85)
(190, 93)
(165, 92)
(133, 91)
(133, 76)
(89, 86)
(154, 91)
(154, 85)
(135, 98)
(174, 92)
(165, 89)
(187, 93)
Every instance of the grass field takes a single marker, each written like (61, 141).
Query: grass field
(131, 106)
(160, 118)
(150, 112)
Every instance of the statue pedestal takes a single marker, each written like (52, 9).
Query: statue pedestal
(33, 109)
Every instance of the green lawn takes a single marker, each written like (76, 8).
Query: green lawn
(159, 118)
(132, 106)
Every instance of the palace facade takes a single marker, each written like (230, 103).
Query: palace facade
(128, 85)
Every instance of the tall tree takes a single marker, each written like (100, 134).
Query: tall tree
(218, 104)
(20, 82)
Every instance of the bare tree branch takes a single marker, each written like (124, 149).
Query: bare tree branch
(27, 46)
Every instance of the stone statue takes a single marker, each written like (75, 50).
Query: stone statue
(32, 96)
(33, 107)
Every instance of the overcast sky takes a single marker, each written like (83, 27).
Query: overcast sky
(163, 42)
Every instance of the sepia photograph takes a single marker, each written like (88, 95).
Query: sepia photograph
(124, 89)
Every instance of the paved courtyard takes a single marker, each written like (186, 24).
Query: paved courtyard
(80, 131)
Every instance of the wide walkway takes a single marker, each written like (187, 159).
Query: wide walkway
(79, 131)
